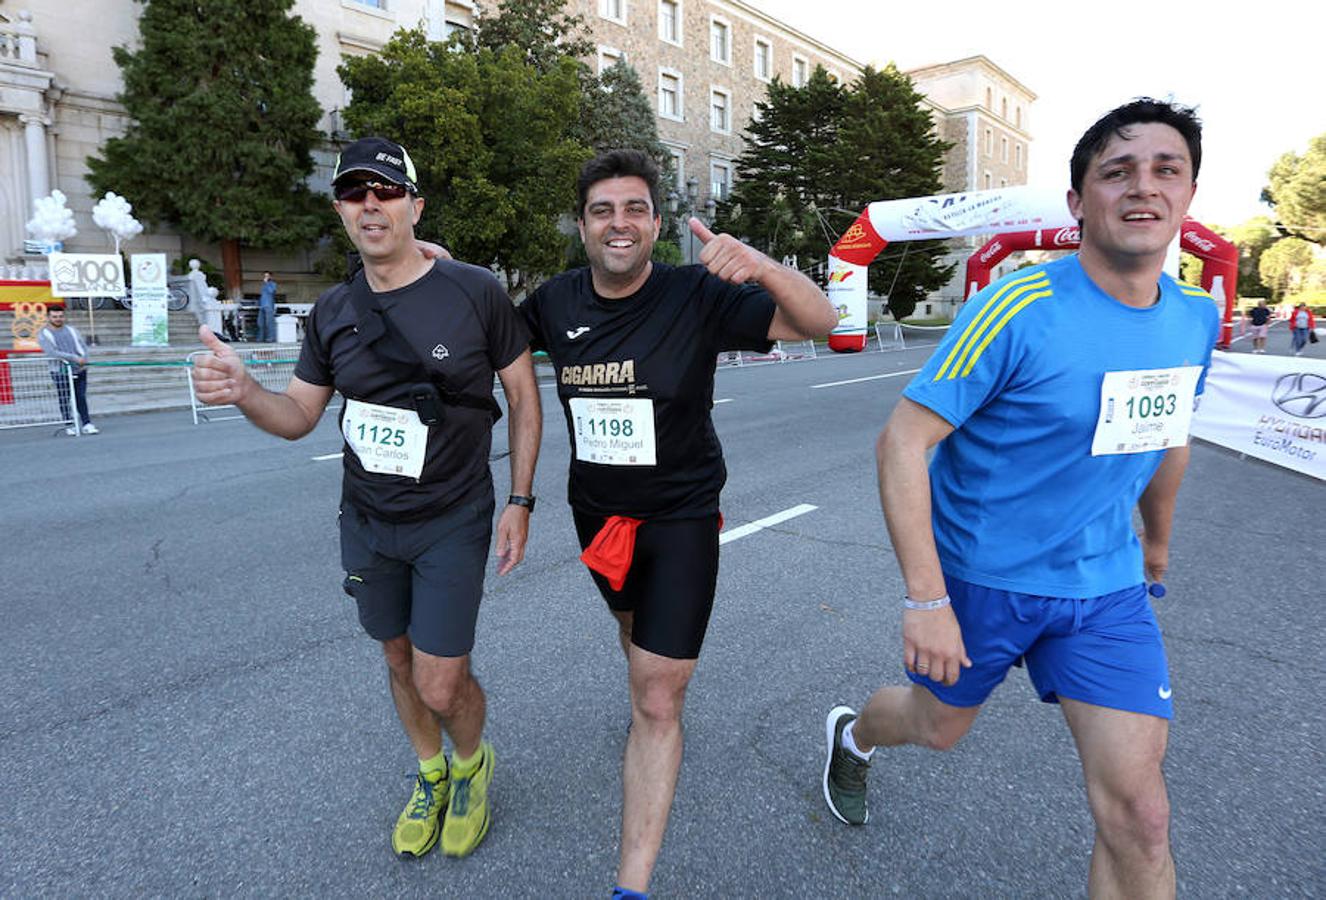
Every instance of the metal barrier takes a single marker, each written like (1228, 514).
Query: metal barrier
(271, 367)
(782, 351)
(29, 396)
(922, 335)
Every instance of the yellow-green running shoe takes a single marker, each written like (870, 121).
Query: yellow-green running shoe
(417, 828)
(467, 814)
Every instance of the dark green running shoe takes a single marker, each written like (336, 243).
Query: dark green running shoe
(844, 772)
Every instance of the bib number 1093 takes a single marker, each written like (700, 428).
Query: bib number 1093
(1152, 406)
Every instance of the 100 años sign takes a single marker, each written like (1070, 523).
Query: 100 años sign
(87, 275)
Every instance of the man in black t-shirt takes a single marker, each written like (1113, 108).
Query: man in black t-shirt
(1261, 324)
(634, 345)
(412, 345)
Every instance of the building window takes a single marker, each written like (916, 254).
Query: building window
(763, 59)
(989, 100)
(613, 10)
(1019, 116)
(989, 181)
(1017, 155)
(608, 57)
(669, 94)
(720, 41)
(1003, 109)
(989, 142)
(800, 71)
(720, 179)
(1003, 182)
(375, 4)
(1003, 149)
(669, 21)
(678, 169)
(720, 110)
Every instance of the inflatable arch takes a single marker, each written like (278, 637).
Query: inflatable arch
(1022, 218)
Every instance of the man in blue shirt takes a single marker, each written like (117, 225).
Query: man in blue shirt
(1058, 402)
(267, 310)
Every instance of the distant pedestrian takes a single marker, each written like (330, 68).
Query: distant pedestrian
(1301, 324)
(1261, 323)
(267, 310)
(64, 344)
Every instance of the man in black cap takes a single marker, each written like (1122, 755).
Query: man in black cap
(412, 344)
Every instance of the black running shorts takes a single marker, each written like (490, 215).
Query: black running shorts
(670, 586)
(421, 578)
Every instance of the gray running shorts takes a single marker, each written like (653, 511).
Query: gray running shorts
(422, 578)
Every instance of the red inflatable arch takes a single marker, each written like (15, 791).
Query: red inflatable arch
(1220, 262)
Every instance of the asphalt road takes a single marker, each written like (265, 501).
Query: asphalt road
(190, 709)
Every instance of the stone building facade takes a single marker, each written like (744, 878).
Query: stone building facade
(706, 63)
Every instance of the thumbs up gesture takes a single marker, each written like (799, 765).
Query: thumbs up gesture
(728, 258)
(219, 377)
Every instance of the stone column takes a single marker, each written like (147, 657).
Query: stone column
(34, 137)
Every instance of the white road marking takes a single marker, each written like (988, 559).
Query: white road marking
(766, 522)
(336, 455)
(867, 378)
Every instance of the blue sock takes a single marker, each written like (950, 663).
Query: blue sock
(621, 893)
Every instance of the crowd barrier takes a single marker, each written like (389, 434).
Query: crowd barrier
(894, 335)
(271, 367)
(29, 396)
(782, 351)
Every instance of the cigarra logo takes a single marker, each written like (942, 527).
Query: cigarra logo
(856, 233)
(841, 275)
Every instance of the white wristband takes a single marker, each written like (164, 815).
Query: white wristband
(925, 604)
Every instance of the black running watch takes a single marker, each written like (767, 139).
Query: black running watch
(521, 500)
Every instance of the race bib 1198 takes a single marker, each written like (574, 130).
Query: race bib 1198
(614, 432)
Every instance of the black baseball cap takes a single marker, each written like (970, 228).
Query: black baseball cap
(384, 158)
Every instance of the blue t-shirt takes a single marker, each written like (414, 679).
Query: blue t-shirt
(1018, 501)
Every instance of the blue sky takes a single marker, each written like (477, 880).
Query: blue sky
(1250, 72)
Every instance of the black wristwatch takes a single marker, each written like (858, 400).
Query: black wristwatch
(521, 500)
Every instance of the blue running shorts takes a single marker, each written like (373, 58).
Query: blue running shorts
(1106, 651)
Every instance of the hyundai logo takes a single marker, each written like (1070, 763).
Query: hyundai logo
(1301, 394)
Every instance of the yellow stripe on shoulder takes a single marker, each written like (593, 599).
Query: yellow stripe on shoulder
(1022, 304)
(997, 302)
(992, 318)
(1193, 291)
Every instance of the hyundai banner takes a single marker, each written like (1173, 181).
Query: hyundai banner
(1270, 407)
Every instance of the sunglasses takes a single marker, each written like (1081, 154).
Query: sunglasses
(355, 192)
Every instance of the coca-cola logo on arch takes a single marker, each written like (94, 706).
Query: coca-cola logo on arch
(1067, 237)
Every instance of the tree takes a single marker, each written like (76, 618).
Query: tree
(222, 126)
(616, 114)
(1284, 266)
(492, 140)
(1297, 192)
(819, 154)
(541, 29)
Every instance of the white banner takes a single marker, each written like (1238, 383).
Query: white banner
(150, 318)
(86, 275)
(847, 293)
(1018, 208)
(1270, 407)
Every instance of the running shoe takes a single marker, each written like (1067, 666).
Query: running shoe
(844, 771)
(417, 828)
(89, 428)
(71, 431)
(467, 814)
